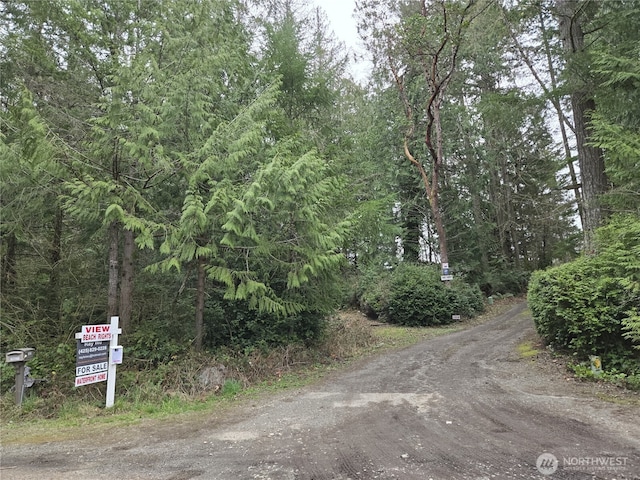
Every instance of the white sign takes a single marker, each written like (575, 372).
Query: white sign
(94, 333)
(455, 317)
(93, 378)
(446, 278)
(116, 355)
(90, 369)
(445, 265)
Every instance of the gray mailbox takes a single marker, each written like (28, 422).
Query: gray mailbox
(18, 358)
(20, 355)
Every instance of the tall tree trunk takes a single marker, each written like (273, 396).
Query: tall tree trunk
(126, 281)
(438, 161)
(591, 159)
(438, 59)
(438, 220)
(112, 293)
(562, 120)
(200, 296)
(55, 255)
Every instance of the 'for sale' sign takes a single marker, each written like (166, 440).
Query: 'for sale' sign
(97, 355)
(92, 361)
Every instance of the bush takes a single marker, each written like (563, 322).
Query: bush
(417, 297)
(373, 291)
(588, 306)
(619, 244)
(576, 308)
(234, 324)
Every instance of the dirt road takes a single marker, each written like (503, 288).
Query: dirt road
(464, 406)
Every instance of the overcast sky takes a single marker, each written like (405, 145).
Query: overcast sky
(340, 13)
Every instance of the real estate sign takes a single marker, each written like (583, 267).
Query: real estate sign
(92, 354)
(97, 356)
(92, 362)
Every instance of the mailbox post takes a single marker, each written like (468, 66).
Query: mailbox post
(19, 358)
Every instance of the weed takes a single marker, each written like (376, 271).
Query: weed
(231, 388)
(584, 372)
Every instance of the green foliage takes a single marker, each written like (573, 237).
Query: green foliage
(414, 295)
(418, 297)
(615, 123)
(373, 290)
(503, 280)
(231, 388)
(619, 250)
(590, 306)
(286, 214)
(235, 324)
(273, 169)
(584, 372)
(468, 299)
(152, 344)
(575, 307)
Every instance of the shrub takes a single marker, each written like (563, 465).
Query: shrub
(234, 324)
(590, 306)
(619, 244)
(373, 291)
(468, 300)
(418, 297)
(575, 308)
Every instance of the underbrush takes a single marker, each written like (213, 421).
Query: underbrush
(200, 381)
(613, 376)
(194, 378)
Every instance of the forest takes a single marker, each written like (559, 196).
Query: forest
(212, 173)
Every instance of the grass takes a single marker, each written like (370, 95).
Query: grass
(618, 400)
(350, 336)
(527, 350)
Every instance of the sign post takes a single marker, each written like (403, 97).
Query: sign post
(115, 357)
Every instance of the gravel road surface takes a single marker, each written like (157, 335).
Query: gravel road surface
(463, 406)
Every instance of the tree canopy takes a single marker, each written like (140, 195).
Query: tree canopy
(210, 168)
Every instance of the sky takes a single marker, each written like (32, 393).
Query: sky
(340, 14)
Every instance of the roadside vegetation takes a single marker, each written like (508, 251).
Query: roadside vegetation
(180, 387)
(591, 307)
(213, 175)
